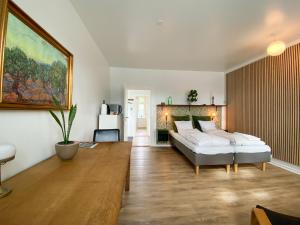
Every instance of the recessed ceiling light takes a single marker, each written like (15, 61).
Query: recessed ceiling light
(160, 22)
(276, 48)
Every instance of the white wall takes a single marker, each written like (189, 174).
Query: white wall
(34, 132)
(164, 83)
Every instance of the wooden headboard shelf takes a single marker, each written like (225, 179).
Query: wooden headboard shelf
(181, 109)
(160, 105)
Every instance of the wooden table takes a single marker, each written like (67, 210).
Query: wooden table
(87, 190)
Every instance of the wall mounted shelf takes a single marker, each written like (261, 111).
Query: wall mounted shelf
(189, 106)
(160, 105)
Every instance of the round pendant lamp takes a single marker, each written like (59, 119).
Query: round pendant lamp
(276, 48)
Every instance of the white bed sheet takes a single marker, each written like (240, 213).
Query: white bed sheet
(237, 139)
(207, 150)
(202, 139)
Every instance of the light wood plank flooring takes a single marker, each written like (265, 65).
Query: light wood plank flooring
(165, 190)
(141, 138)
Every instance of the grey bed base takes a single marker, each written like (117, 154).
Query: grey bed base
(202, 159)
(256, 157)
(221, 159)
(252, 157)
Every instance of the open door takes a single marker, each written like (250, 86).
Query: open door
(137, 116)
(125, 115)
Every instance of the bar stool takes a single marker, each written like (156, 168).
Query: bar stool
(7, 153)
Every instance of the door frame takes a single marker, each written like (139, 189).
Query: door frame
(125, 114)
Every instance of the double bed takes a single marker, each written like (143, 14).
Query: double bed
(203, 155)
(217, 147)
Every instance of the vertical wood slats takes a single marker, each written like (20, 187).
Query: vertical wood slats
(263, 99)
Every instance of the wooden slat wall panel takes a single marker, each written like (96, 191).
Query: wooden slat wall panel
(263, 99)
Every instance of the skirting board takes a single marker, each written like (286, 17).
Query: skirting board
(287, 166)
(161, 145)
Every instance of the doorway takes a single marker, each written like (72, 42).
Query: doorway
(137, 124)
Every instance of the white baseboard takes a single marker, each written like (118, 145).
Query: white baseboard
(161, 145)
(287, 166)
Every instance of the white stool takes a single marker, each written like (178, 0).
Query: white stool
(7, 153)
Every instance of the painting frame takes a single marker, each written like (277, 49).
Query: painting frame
(6, 7)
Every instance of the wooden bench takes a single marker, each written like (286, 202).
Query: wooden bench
(86, 190)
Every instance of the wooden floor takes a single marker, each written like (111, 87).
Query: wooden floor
(141, 139)
(165, 190)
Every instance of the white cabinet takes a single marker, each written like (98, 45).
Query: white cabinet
(110, 122)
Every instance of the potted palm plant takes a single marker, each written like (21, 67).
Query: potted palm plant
(65, 149)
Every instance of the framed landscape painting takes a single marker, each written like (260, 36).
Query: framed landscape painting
(34, 67)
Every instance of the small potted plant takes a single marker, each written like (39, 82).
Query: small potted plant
(192, 96)
(65, 149)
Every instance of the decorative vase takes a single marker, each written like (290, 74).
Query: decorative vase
(169, 100)
(66, 151)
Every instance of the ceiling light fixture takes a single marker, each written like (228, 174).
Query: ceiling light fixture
(160, 22)
(276, 48)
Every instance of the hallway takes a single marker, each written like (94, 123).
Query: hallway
(141, 138)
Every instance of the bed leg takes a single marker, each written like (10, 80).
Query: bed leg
(228, 168)
(236, 167)
(197, 170)
(264, 166)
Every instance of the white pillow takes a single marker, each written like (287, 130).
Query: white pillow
(183, 125)
(207, 125)
(188, 131)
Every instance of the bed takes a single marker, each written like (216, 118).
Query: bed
(247, 148)
(202, 155)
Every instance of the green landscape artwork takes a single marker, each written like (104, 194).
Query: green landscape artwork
(34, 70)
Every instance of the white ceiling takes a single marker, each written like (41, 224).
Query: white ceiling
(212, 35)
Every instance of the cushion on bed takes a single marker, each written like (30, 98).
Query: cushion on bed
(197, 118)
(207, 125)
(179, 118)
(182, 126)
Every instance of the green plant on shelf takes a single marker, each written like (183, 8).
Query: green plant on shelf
(192, 96)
